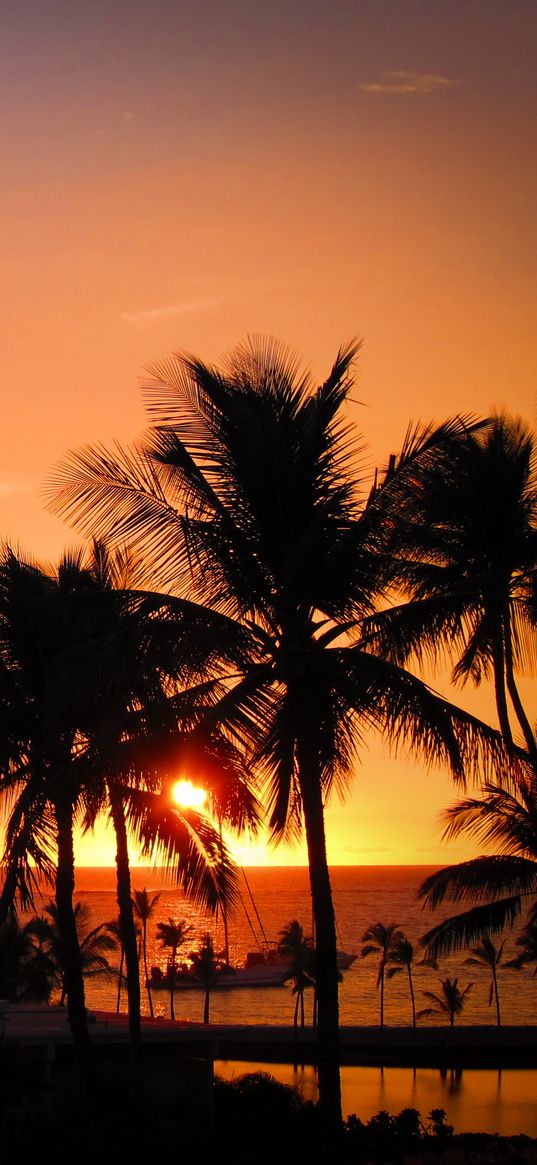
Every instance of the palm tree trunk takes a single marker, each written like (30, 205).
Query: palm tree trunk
(146, 969)
(120, 978)
(295, 1020)
(382, 996)
(128, 932)
(496, 996)
(326, 950)
(206, 1008)
(74, 979)
(518, 706)
(499, 688)
(413, 1001)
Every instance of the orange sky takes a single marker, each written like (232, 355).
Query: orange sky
(178, 175)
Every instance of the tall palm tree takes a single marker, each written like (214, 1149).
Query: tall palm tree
(450, 1002)
(115, 679)
(470, 547)
(403, 958)
(206, 966)
(490, 956)
(495, 886)
(144, 905)
(383, 940)
(245, 498)
(298, 948)
(171, 935)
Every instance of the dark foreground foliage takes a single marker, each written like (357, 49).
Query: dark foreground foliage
(256, 1119)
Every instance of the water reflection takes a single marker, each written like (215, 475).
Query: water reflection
(476, 1100)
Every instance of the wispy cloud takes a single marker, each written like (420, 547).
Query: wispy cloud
(403, 83)
(368, 849)
(165, 311)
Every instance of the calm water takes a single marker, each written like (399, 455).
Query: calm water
(486, 1101)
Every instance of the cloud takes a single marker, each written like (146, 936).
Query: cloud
(368, 849)
(182, 308)
(402, 83)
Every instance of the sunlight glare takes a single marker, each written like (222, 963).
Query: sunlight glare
(187, 795)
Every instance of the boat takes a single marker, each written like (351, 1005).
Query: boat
(261, 969)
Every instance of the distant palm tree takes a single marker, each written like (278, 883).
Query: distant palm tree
(144, 905)
(382, 940)
(171, 935)
(450, 1002)
(28, 971)
(298, 948)
(487, 955)
(403, 958)
(95, 943)
(206, 965)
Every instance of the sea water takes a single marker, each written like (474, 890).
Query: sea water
(475, 1100)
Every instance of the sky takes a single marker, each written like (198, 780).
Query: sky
(177, 175)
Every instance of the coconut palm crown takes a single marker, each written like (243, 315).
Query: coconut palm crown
(245, 497)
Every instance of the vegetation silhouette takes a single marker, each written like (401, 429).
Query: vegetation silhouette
(486, 954)
(449, 1002)
(244, 497)
(144, 906)
(206, 965)
(383, 940)
(298, 948)
(171, 935)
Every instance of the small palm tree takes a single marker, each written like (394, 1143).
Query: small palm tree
(143, 905)
(298, 948)
(172, 935)
(450, 1002)
(27, 969)
(487, 955)
(403, 958)
(206, 966)
(382, 940)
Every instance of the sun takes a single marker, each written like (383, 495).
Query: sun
(187, 795)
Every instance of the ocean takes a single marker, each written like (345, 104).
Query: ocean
(475, 1100)
(362, 894)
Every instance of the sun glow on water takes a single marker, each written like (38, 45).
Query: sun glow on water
(187, 795)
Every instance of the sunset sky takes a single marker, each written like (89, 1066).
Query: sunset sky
(181, 173)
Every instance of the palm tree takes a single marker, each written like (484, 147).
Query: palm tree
(527, 941)
(206, 966)
(107, 678)
(27, 969)
(403, 958)
(172, 935)
(245, 498)
(449, 1002)
(144, 906)
(494, 886)
(471, 531)
(298, 948)
(487, 955)
(95, 943)
(383, 940)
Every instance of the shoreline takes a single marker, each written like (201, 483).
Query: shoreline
(432, 1047)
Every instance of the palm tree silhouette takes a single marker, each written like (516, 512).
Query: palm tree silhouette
(527, 942)
(144, 906)
(487, 955)
(471, 531)
(171, 935)
(95, 943)
(494, 885)
(449, 1002)
(245, 498)
(403, 958)
(383, 940)
(206, 966)
(298, 948)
